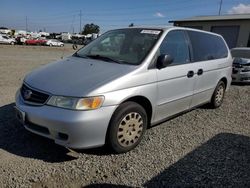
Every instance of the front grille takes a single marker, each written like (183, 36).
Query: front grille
(33, 96)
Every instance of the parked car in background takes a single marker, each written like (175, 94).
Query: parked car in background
(113, 89)
(35, 42)
(7, 40)
(20, 40)
(54, 42)
(241, 65)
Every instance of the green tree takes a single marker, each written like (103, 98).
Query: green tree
(12, 32)
(90, 28)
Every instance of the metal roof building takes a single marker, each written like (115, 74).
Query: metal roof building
(234, 28)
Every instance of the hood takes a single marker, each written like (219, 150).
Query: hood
(242, 61)
(75, 76)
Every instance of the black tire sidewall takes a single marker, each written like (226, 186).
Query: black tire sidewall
(74, 46)
(118, 115)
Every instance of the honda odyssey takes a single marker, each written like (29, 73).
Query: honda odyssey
(113, 89)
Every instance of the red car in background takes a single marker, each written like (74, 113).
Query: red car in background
(35, 42)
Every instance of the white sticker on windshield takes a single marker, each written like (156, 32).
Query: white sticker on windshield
(153, 32)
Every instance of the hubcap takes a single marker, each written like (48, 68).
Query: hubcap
(130, 129)
(219, 95)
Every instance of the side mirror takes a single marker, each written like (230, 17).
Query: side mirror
(163, 61)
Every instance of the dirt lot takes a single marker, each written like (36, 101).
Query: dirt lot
(204, 147)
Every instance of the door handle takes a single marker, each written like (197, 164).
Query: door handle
(190, 74)
(200, 72)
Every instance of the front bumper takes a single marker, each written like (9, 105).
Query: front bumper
(242, 77)
(69, 128)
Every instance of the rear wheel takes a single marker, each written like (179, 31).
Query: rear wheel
(218, 95)
(127, 127)
(50, 45)
(12, 43)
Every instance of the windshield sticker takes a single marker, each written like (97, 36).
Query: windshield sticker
(153, 32)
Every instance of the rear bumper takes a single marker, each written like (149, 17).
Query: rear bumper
(69, 128)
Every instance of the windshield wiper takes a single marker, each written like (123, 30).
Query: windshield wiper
(77, 55)
(104, 58)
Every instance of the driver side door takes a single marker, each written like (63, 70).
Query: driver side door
(175, 82)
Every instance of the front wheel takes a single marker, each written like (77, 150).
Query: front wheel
(218, 95)
(127, 127)
(74, 46)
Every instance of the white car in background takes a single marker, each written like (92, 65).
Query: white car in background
(54, 42)
(241, 65)
(7, 40)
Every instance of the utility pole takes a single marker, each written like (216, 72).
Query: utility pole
(80, 21)
(220, 7)
(26, 23)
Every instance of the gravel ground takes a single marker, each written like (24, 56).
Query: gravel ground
(204, 147)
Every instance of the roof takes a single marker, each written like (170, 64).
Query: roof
(149, 27)
(215, 18)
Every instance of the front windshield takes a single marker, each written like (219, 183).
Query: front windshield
(129, 46)
(238, 60)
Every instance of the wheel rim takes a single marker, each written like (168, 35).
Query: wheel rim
(130, 129)
(219, 95)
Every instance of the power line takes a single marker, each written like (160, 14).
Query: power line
(80, 21)
(220, 7)
(26, 23)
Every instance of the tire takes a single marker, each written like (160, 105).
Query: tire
(61, 45)
(50, 45)
(12, 43)
(74, 46)
(127, 127)
(218, 95)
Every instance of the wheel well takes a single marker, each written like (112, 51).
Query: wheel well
(224, 80)
(145, 103)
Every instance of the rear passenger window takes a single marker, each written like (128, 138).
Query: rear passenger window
(175, 44)
(207, 46)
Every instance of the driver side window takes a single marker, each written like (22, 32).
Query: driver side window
(176, 45)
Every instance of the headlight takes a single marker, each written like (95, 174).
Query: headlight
(88, 103)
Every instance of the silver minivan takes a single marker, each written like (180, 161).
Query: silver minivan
(113, 89)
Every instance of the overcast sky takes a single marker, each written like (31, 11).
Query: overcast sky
(64, 15)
